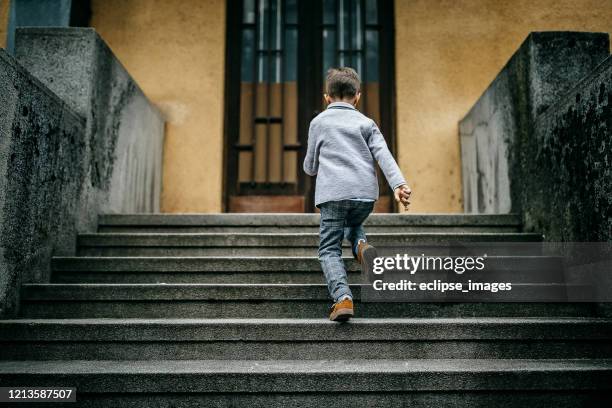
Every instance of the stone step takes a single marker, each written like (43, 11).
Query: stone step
(256, 269)
(297, 339)
(305, 223)
(421, 383)
(193, 264)
(421, 399)
(247, 301)
(262, 244)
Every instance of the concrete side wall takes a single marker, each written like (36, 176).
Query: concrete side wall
(124, 130)
(570, 197)
(42, 162)
(497, 131)
(4, 18)
(447, 52)
(176, 52)
(78, 137)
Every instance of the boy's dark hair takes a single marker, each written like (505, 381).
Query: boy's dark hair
(343, 82)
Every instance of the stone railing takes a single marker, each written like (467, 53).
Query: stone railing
(570, 196)
(77, 138)
(501, 151)
(124, 130)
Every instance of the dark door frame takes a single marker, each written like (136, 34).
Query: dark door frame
(233, 56)
(309, 95)
(309, 78)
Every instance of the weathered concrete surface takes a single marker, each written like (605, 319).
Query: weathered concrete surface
(294, 220)
(124, 131)
(497, 130)
(92, 145)
(42, 157)
(314, 377)
(304, 339)
(435, 328)
(250, 301)
(570, 199)
(287, 222)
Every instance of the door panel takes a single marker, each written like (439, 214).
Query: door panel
(278, 53)
(273, 141)
(351, 38)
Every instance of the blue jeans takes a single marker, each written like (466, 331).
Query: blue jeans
(339, 220)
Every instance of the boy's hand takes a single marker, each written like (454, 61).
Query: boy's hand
(402, 195)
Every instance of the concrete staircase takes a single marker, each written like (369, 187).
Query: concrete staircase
(230, 310)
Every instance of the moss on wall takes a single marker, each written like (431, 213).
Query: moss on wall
(42, 162)
(497, 135)
(447, 53)
(571, 199)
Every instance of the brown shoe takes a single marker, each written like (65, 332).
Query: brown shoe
(365, 250)
(341, 311)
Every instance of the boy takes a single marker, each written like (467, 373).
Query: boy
(342, 147)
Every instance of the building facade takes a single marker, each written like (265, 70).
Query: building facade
(238, 82)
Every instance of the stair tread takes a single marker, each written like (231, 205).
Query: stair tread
(257, 269)
(183, 291)
(84, 237)
(314, 376)
(288, 234)
(301, 321)
(213, 242)
(303, 366)
(255, 219)
(290, 329)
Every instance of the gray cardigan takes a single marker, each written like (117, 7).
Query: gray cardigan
(342, 146)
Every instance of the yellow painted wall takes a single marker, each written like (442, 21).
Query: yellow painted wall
(447, 53)
(175, 49)
(4, 15)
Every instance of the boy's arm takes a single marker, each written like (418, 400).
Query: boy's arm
(387, 163)
(311, 161)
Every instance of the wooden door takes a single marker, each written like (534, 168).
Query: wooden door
(277, 54)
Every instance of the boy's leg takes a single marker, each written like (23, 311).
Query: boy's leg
(333, 215)
(354, 231)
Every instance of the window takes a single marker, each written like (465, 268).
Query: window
(268, 140)
(351, 38)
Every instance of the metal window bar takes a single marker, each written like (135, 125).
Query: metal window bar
(346, 26)
(268, 87)
(282, 62)
(337, 60)
(255, 81)
(351, 12)
(364, 56)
